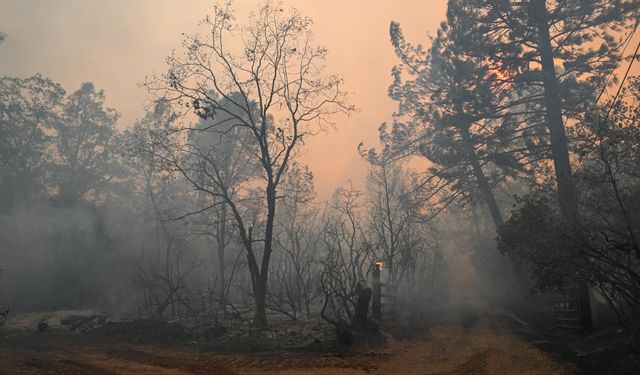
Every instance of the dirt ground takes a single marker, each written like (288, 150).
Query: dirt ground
(483, 344)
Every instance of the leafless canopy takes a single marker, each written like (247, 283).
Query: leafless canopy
(271, 90)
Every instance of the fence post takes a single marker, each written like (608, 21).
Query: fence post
(376, 303)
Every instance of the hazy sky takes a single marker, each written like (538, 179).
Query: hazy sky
(115, 43)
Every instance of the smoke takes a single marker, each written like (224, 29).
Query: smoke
(65, 257)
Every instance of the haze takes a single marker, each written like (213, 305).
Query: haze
(116, 43)
(317, 187)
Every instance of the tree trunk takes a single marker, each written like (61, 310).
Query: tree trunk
(519, 272)
(260, 291)
(260, 317)
(359, 320)
(390, 264)
(559, 147)
(221, 239)
(483, 183)
(376, 303)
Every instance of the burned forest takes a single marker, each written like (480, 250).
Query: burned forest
(299, 187)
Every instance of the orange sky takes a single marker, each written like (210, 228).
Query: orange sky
(115, 43)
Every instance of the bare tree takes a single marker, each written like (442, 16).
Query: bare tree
(298, 243)
(349, 256)
(395, 214)
(230, 147)
(273, 88)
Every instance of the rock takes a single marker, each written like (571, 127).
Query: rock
(84, 323)
(99, 321)
(42, 326)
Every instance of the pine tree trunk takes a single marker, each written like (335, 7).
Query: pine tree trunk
(481, 179)
(559, 146)
(518, 269)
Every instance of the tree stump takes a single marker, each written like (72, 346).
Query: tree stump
(359, 320)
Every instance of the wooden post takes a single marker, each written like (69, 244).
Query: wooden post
(376, 303)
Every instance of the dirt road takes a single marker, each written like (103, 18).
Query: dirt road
(488, 347)
(484, 345)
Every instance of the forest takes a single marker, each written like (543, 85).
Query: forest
(496, 231)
